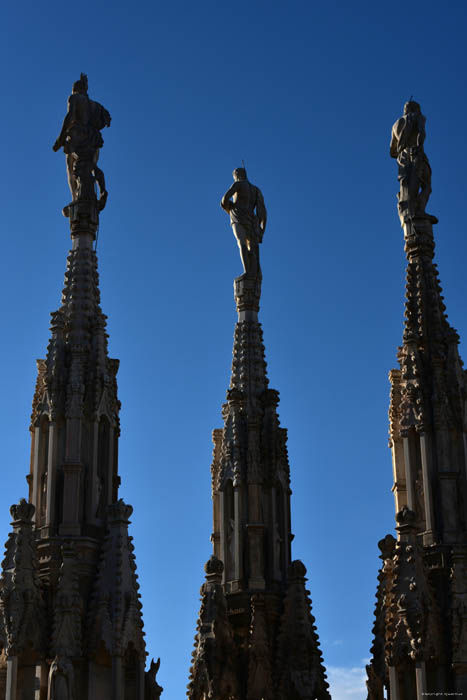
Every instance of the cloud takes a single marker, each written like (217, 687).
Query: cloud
(347, 682)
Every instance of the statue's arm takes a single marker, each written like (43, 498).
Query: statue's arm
(261, 210)
(394, 142)
(62, 136)
(421, 131)
(226, 204)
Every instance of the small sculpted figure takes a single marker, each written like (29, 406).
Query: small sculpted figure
(245, 204)
(152, 689)
(81, 140)
(407, 138)
(61, 679)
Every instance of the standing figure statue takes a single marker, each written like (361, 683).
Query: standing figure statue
(407, 138)
(81, 140)
(245, 204)
(61, 679)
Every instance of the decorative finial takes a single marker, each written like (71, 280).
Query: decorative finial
(22, 512)
(407, 139)
(81, 140)
(245, 204)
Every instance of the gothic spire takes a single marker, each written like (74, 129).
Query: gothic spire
(70, 570)
(251, 502)
(416, 625)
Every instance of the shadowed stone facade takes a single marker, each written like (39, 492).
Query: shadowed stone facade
(420, 632)
(256, 638)
(70, 613)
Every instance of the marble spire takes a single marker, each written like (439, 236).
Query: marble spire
(265, 627)
(420, 629)
(69, 574)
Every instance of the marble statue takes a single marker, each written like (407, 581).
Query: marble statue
(245, 204)
(407, 138)
(81, 140)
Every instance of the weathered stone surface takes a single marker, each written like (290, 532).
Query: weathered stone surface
(299, 664)
(214, 670)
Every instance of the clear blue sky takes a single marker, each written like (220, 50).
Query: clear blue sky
(306, 93)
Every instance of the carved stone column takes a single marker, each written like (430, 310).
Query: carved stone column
(118, 687)
(71, 499)
(11, 678)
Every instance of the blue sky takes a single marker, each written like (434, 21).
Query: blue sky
(306, 93)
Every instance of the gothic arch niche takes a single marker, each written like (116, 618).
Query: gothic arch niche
(101, 674)
(42, 470)
(414, 474)
(103, 458)
(229, 530)
(27, 661)
(407, 682)
(131, 674)
(279, 530)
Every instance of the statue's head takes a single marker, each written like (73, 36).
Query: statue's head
(81, 86)
(239, 174)
(412, 107)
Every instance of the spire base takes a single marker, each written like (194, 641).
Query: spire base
(247, 293)
(84, 216)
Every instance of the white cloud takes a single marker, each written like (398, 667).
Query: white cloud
(347, 682)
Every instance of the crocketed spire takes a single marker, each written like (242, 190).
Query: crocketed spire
(421, 612)
(249, 628)
(69, 578)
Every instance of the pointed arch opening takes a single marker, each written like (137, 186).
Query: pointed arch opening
(229, 531)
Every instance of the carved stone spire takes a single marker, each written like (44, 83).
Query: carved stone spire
(86, 639)
(428, 438)
(299, 664)
(251, 489)
(214, 669)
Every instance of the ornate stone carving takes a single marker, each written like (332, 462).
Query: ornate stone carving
(22, 609)
(299, 663)
(114, 616)
(213, 673)
(235, 655)
(377, 676)
(245, 204)
(421, 610)
(413, 620)
(260, 672)
(152, 690)
(459, 609)
(81, 141)
(68, 610)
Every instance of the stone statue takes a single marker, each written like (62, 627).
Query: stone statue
(407, 138)
(152, 690)
(245, 204)
(61, 679)
(81, 140)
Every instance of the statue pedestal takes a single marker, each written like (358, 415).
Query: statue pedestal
(247, 293)
(84, 216)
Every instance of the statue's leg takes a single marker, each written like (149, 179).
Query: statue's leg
(424, 178)
(240, 235)
(72, 184)
(100, 179)
(254, 247)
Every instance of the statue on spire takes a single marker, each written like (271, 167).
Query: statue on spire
(407, 138)
(81, 139)
(245, 204)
